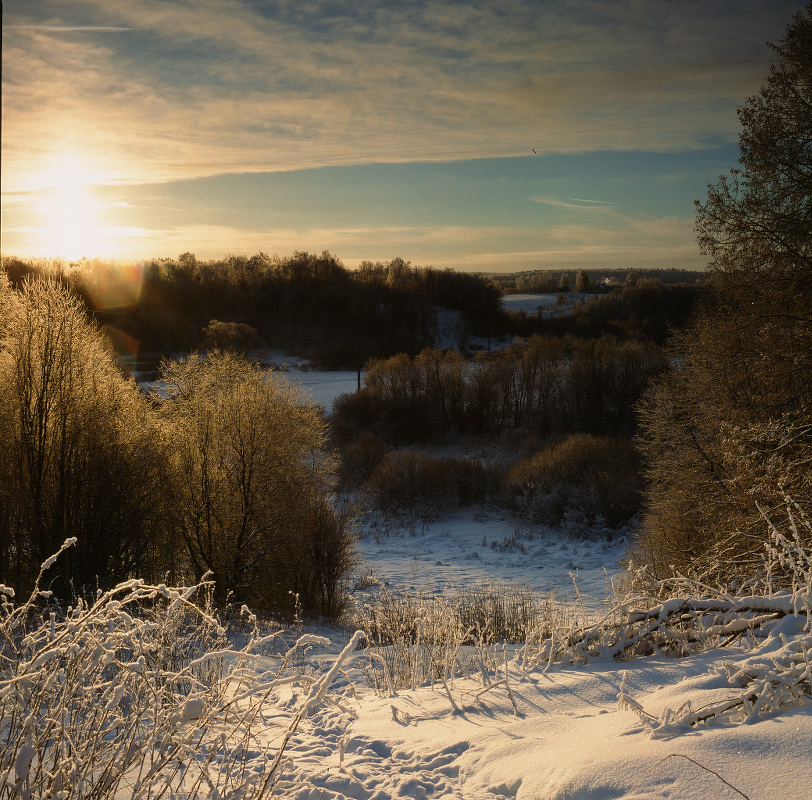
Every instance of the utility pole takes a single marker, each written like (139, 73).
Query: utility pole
(358, 346)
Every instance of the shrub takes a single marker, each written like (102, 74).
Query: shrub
(408, 481)
(597, 476)
(358, 412)
(413, 482)
(234, 336)
(359, 458)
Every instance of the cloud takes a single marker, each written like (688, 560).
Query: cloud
(203, 87)
(574, 202)
(93, 28)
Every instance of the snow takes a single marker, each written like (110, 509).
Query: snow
(547, 303)
(570, 736)
(319, 386)
(323, 386)
(476, 546)
(519, 727)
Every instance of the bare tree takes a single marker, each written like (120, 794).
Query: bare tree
(251, 481)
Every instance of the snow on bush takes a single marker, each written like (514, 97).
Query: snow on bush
(140, 694)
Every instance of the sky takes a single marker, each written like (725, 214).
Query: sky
(489, 135)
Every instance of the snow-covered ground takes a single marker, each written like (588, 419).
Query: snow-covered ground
(568, 737)
(479, 546)
(323, 386)
(548, 303)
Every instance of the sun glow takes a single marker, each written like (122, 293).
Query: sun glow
(71, 219)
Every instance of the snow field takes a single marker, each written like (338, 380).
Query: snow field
(477, 546)
(115, 703)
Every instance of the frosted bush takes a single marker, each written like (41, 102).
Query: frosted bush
(139, 694)
(696, 617)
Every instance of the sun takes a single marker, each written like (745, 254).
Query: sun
(70, 217)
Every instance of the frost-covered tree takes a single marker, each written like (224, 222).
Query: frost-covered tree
(79, 455)
(251, 478)
(732, 426)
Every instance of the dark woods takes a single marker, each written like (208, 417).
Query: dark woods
(545, 384)
(307, 303)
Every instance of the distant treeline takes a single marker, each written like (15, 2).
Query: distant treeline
(308, 303)
(313, 306)
(642, 308)
(545, 280)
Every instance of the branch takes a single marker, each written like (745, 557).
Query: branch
(707, 769)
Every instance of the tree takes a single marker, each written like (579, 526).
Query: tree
(236, 336)
(564, 283)
(251, 483)
(730, 431)
(81, 455)
(582, 282)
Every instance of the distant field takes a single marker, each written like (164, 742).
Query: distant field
(548, 302)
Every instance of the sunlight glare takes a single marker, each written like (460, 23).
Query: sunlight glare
(71, 220)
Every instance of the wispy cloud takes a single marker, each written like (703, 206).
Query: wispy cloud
(63, 28)
(201, 87)
(574, 202)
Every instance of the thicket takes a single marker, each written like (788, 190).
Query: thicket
(225, 469)
(728, 434)
(570, 402)
(545, 384)
(594, 481)
(406, 482)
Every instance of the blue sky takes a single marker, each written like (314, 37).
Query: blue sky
(145, 128)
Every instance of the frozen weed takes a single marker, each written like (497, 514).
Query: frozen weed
(412, 640)
(140, 694)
